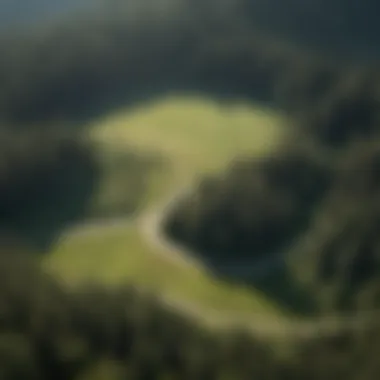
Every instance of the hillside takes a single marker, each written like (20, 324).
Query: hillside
(224, 120)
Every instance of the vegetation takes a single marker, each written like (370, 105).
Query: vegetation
(98, 63)
(207, 138)
(191, 135)
(340, 249)
(50, 333)
(122, 255)
(125, 176)
(45, 183)
(313, 200)
(256, 209)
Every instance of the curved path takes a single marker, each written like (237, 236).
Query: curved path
(150, 224)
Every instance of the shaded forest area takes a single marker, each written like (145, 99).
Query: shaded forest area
(325, 175)
(318, 210)
(254, 208)
(49, 333)
(46, 182)
(78, 68)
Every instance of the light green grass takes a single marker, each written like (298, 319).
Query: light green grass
(196, 136)
(116, 257)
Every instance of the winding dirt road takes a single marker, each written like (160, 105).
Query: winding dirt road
(150, 224)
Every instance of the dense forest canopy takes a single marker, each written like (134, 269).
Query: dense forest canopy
(317, 195)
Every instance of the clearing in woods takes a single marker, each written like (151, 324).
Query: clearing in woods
(194, 136)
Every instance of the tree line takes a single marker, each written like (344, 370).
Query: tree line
(77, 68)
(320, 186)
(46, 181)
(48, 332)
(324, 176)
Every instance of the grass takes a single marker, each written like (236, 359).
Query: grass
(124, 180)
(117, 257)
(195, 136)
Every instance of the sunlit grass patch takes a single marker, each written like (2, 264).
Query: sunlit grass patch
(194, 136)
(122, 256)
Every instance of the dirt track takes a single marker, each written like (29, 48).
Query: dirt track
(150, 226)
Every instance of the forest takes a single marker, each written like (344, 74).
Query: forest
(315, 198)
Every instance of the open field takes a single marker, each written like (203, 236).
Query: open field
(116, 257)
(194, 136)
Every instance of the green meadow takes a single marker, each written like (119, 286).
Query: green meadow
(194, 136)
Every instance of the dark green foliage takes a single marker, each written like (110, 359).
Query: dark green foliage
(81, 67)
(69, 72)
(50, 333)
(348, 112)
(342, 246)
(255, 209)
(45, 182)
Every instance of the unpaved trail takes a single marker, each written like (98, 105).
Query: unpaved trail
(150, 225)
(99, 226)
(262, 325)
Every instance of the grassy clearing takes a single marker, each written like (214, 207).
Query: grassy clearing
(195, 136)
(116, 257)
(124, 179)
